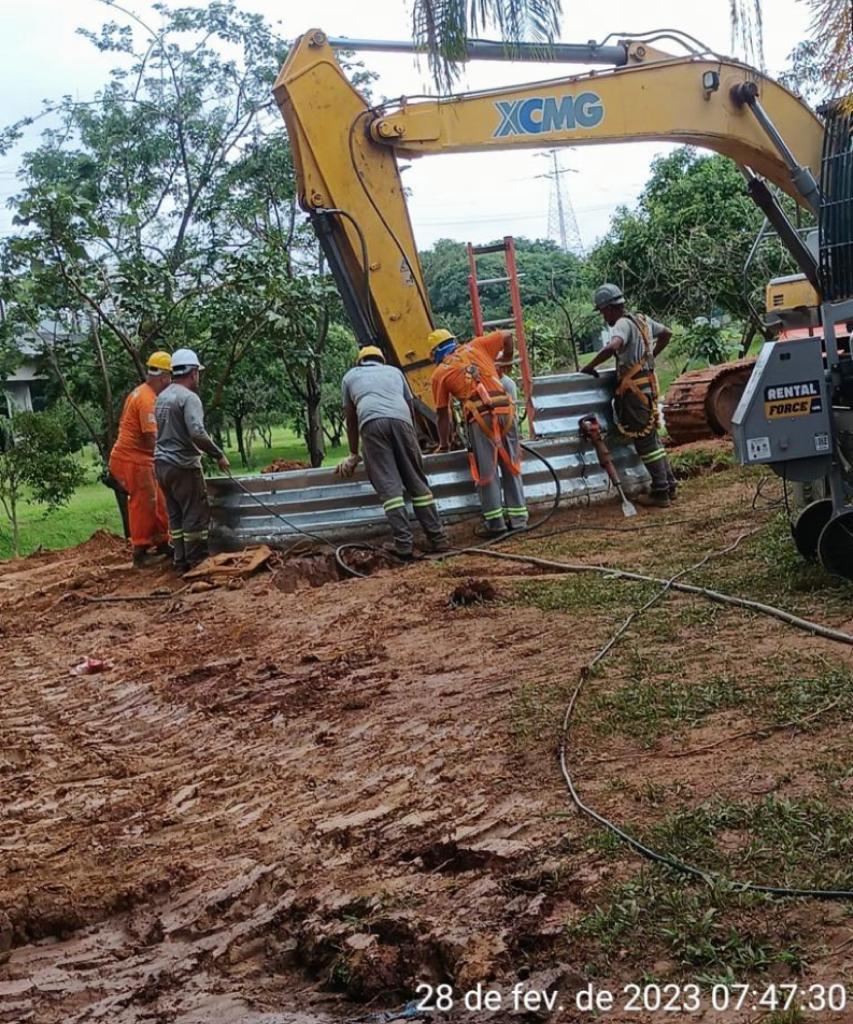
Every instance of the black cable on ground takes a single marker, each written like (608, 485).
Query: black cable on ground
(365, 263)
(512, 535)
(667, 585)
(555, 502)
(287, 522)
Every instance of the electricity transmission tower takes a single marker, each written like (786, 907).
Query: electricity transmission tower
(562, 223)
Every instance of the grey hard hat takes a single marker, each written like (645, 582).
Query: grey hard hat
(608, 295)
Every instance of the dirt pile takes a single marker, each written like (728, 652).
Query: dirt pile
(472, 591)
(285, 466)
(288, 800)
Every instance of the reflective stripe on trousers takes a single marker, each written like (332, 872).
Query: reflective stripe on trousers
(653, 455)
(394, 465)
(189, 513)
(504, 492)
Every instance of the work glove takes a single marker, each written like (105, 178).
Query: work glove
(591, 370)
(347, 467)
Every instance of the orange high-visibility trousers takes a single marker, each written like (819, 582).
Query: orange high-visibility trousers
(146, 506)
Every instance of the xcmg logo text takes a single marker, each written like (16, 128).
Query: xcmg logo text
(540, 114)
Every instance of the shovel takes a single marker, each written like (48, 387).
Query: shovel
(628, 508)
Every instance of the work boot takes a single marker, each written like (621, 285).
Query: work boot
(141, 559)
(438, 544)
(673, 492)
(654, 499)
(165, 550)
(491, 532)
(403, 554)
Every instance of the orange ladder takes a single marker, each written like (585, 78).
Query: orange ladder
(507, 247)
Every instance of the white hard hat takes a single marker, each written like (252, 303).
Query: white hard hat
(184, 361)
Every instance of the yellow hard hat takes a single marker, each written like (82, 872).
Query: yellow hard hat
(437, 336)
(370, 350)
(160, 361)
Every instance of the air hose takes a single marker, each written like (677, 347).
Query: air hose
(655, 856)
(287, 522)
(340, 548)
(558, 491)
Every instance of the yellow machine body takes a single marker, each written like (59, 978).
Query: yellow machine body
(346, 154)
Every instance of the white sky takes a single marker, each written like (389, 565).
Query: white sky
(470, 197)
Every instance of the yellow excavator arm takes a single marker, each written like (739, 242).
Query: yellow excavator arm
(661, 102)
(346, 158)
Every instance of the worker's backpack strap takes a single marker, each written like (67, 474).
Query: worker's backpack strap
(635, 401)
(494, 414)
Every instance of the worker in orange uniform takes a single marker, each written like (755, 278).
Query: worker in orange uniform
(132, 462)
(469, 374)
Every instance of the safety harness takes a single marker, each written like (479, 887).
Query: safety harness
(492, 411)
(631, 394)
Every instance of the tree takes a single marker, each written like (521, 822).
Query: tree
(302, 333)
(681, 253)
(34, 462)
(830, 51)
(544, 267)
(131, 231)
(804, 76)
(441, 27)
(341, 349)
(554, 294)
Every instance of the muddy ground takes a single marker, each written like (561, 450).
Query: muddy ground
(296, 798)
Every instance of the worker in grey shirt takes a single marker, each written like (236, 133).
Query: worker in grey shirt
(378, 411)
(636, 341)
(181, 438)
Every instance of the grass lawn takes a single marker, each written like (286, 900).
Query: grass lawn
(286, 445)
(93, 506)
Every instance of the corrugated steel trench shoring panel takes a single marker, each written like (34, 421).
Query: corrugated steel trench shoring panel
(319, 501)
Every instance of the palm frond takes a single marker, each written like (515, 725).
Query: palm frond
(832, 31)
(747, 31)
(440, 28)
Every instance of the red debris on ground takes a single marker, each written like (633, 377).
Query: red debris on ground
(285, 466)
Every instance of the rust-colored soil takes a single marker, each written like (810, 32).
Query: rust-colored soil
(293, 800)
(285, 466)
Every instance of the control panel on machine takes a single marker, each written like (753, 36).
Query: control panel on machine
(784, 414)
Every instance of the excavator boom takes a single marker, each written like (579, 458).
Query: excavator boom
(346, 158)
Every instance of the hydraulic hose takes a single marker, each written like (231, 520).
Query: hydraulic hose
(341, 548)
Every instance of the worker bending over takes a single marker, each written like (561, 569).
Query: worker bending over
(132, 462)
(181, 438)
(636, 340)
(378, 410)
(469, 373)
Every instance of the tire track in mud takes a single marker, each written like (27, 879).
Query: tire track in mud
(242, 805)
